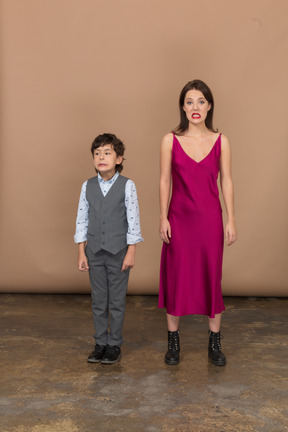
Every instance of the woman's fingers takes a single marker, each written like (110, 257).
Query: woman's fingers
(165, 235)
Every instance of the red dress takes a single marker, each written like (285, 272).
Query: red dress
(191, 265)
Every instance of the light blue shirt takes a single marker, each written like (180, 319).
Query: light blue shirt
(132, 210)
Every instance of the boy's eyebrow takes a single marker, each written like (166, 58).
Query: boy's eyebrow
(106, 149)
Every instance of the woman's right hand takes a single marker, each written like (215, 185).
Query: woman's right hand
(165, 231)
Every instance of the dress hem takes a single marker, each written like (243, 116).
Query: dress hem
(192, 313)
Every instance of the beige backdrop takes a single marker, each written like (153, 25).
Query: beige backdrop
(72, 69)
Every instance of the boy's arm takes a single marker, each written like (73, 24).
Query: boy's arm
(129, 259)
(134, 229)
(132, 212)
(82, 258)
(80, 236)
(82, 217)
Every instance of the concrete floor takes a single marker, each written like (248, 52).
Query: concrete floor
(46, 385)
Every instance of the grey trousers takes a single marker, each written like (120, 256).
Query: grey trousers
(108, 291)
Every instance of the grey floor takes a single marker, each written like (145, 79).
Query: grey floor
(47, 385)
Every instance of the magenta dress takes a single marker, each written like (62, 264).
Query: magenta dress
(191, 265)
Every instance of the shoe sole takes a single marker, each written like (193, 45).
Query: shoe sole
(93, 361)
(109, 362)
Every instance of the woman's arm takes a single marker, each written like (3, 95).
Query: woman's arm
(165, 186)
(227, 190)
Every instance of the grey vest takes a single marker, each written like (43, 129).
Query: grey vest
(107, 225)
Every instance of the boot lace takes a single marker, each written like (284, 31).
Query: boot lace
(173, 341)
(216, 341)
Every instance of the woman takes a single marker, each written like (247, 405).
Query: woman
(191, 225)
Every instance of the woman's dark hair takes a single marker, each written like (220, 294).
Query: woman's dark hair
(116, 144)
(184, 123)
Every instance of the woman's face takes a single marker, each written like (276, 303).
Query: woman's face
(196, 106)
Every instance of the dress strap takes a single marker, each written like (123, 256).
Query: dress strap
(173, 145)
(218, 146)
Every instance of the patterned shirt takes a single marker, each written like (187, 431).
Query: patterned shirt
(132, 210)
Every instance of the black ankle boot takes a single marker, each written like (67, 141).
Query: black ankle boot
(214, 349)
(172, 355)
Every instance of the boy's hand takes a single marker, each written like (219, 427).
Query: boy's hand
(82, 258)
(129, 259)
(83, 263)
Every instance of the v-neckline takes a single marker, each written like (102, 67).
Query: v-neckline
(104, 196)
(191, 157)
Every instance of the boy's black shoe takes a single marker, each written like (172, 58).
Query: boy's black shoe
(112, 354)
(97, 354)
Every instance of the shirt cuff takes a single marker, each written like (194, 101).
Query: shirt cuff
(133, 239)
(80, 237)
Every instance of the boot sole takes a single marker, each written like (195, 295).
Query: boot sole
(171, 363)
(217, 363)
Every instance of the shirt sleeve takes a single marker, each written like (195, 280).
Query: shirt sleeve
(132, 211)
(82, 217)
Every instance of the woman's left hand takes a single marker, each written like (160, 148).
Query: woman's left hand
(230, 233)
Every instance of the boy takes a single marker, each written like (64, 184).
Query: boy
(108, 223)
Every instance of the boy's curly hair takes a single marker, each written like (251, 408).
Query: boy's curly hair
(116, 143)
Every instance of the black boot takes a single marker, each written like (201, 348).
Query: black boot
(172, 355)
(214, 349)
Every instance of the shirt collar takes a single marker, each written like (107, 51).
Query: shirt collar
(112, 180)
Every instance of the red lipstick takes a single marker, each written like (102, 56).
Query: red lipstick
(196, 116)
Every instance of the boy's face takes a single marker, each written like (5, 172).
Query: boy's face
(105, 161)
